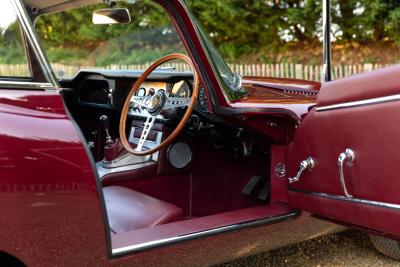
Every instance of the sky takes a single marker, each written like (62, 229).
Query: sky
(7, 14)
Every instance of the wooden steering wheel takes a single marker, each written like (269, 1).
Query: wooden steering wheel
(155, 105)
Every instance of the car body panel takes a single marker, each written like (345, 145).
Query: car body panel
(48, 190)
(370, 129)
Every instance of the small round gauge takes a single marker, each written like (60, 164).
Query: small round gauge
(152, 91)
(141, 92)
(181, 89)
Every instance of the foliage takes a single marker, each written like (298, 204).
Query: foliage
(261, 30)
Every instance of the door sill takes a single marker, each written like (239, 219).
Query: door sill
(162, 235)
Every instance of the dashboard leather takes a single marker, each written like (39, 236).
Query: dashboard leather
(379, 83)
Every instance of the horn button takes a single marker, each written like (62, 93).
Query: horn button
(157, 103)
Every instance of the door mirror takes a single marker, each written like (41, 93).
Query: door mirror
(111, 16)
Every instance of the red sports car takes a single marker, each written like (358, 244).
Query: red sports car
(182, 164)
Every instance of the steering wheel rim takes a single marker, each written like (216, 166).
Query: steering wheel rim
(168, 103)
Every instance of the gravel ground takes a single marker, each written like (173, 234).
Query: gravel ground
(348, 248)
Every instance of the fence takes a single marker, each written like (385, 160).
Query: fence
(283, 70)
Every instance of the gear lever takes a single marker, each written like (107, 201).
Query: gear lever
(105, 122)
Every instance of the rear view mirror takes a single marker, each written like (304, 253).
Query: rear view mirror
(111, 16)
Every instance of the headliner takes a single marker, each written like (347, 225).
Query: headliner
(50, 6)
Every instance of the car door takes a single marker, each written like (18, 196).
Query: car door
(349, 147)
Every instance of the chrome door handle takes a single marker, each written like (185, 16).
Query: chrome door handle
(347, 155)
(306, 164)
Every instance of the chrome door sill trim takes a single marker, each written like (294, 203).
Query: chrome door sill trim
(360, 103)
(350, 199)
(25, 85)
(168, 241)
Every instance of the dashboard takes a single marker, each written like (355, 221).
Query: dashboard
(105, 89)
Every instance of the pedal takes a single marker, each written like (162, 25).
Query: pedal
(265, 192)
(251, 185)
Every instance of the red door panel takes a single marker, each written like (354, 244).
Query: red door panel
(371, 130)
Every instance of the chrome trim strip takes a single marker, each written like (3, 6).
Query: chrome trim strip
(27, 27)
(201, 234)
(358, 103)
(350, 199)
(27, 85)
(326, 74)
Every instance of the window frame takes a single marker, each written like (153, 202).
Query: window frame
(43, 78)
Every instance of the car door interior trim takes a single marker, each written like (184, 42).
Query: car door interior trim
(168, 241)
(358, 103)
(349, 199)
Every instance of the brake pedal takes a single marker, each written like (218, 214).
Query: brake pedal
(251, 185)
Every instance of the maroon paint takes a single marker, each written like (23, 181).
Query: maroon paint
(372, 217)
(371, 131)
(48, 190)
(378, 83)
(278, 184)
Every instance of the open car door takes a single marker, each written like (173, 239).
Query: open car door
(348, 147)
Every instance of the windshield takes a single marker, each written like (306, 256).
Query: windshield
(232, 82)
(72, 42)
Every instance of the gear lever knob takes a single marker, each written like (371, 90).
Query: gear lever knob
(105, 123)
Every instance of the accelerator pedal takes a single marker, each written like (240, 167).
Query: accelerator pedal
(251, 185)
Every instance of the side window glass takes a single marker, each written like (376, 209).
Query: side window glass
(13, 58)
(365, 36)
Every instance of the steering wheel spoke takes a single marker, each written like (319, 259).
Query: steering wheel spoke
(177, 102)
(145, 133)
(141, 100)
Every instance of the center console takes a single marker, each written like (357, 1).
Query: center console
(118, 159)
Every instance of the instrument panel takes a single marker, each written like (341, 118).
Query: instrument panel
(179, 89)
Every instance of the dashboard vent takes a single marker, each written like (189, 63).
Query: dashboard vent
(300, 92)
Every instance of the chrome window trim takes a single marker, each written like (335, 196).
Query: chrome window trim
(27, 27)
(360, 201)
(24, 85)
(358, 103)
(167, 241)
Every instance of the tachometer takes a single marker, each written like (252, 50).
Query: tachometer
(181, 89)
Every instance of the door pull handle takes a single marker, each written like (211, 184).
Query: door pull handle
(347, 155)
(306, 164)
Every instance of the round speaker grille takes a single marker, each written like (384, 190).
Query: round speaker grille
(179, 155)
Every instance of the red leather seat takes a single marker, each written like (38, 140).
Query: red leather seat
(128, 210)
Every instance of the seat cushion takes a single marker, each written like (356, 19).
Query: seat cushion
(128, 210)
